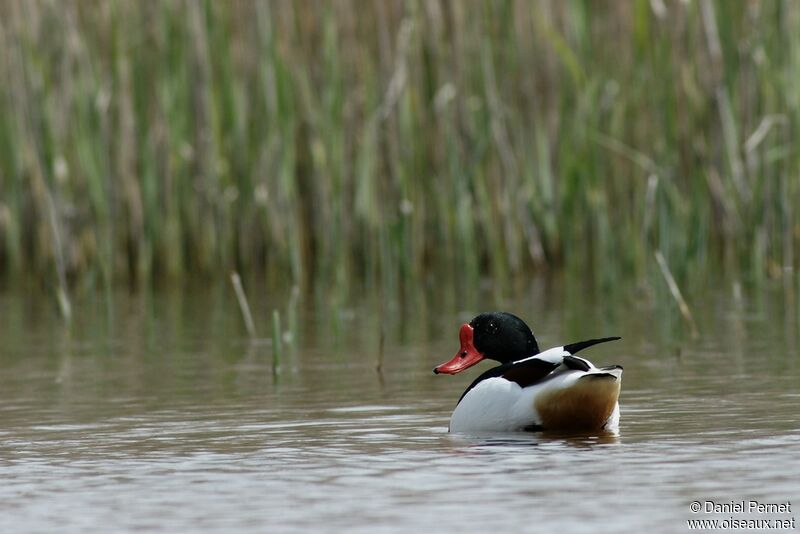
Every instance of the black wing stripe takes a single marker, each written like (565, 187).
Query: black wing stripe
(524, 373)
(573, 348)
(573, 362)
(596, 376)
(529, 372)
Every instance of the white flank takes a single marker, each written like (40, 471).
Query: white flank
(499, 405)
(612, 425)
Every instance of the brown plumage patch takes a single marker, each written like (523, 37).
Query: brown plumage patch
(586, 405)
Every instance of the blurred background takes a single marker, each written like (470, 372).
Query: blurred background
(398, 144)
(236, 236)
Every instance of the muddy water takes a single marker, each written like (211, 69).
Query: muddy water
(156, 413)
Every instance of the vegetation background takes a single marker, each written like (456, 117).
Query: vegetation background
(397, 143)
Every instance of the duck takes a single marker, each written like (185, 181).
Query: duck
(531, 390)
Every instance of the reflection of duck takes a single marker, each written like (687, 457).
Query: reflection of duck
(530, 390)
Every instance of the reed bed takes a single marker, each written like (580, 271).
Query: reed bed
(394, 142)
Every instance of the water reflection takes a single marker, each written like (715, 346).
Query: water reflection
(533, 439)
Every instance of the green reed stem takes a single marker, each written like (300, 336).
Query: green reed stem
(393, 142)
(276, 341)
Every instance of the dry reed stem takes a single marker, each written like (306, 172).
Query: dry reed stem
(243, 305)
(676, 293)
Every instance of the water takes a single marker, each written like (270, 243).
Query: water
(161, 416)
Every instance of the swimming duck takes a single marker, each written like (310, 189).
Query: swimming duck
(530, 390)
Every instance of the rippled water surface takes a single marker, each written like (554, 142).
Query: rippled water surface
(157, 414)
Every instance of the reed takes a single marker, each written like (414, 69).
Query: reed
(675, 291)
(385, 141)
(276, 341)
(244, 306)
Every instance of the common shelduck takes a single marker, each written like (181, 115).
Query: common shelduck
(530, 390)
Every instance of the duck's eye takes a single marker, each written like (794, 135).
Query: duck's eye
(464, 354)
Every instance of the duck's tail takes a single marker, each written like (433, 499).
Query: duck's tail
(613, 372)
(573, 348)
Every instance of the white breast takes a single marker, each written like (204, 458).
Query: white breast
(495, 404)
